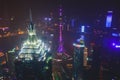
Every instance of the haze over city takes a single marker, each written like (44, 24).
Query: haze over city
(59, 40)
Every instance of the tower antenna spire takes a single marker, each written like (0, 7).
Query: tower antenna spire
(31, 25)
(30, 15)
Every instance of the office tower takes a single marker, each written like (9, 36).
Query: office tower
(34, 59)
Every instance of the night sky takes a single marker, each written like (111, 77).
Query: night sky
(85, 9)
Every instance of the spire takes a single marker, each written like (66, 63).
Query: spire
(60, 47)
(30, 15)
(31, 29)
(31, 25)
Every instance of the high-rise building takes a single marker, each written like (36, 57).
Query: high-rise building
(109, 19)
(80, 55)
(78, 61)
(34, 59)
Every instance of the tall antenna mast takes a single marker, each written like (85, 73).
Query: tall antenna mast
(31, 26)
(60, 47)
(30, 15)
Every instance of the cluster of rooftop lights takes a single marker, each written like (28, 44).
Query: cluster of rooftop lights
(116, 45)
(81, 39)
(79, 44)
(30, 49)
(37, 48)
(116, 34)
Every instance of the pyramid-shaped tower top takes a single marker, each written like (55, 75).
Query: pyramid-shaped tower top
(33, 47)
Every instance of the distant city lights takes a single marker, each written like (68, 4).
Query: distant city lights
(115, 45)
(4, 28)
(116, 34)
(47, 19)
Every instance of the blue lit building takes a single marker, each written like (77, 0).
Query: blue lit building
(109, 19)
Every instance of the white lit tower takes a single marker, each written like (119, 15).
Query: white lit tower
(33, 47)
(34, 58)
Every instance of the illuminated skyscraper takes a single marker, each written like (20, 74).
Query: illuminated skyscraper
(33, 47)
(79, 56)
(109, 19)
(34, 59)
(78, 60)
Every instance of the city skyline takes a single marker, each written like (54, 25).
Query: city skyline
(85, 33)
